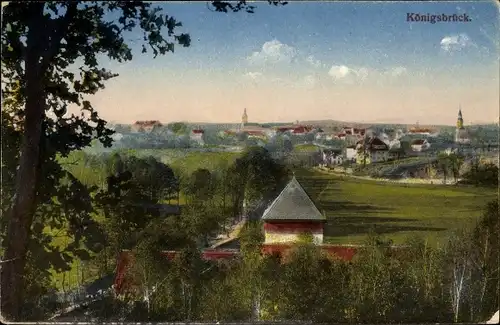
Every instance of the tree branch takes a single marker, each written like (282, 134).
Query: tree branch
(58, 34)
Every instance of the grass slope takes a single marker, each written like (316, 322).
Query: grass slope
(355, 207)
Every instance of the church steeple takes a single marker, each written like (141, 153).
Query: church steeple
(460, 120)
(244, 118)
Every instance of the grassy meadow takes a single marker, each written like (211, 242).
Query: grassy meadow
(355, 207)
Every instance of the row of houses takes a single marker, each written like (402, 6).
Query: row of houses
(366, 151)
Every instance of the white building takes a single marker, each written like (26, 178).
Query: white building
(197, 136)
(350, 153)
(420, 145)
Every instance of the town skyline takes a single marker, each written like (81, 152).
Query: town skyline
(393, 121)
(383, 69)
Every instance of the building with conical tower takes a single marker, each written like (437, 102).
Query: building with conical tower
(461, 134)
(291, 214)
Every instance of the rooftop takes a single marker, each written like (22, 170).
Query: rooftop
(293, 203)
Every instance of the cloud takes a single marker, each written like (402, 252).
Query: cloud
(339, 71)
(361, 73)
(273, 51)
(253, 75)
(308, 82)
(398, 71)
(455, 42)
(312, 61)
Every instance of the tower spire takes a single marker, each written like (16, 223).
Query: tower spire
(460, 120)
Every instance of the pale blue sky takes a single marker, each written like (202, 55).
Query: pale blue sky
(316, 60)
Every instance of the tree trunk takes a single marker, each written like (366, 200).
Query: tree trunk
(21, 215)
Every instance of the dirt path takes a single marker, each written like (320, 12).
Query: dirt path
(235, 231)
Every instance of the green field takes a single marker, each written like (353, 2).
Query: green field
(187, 161)
(355, 207)
(305, 148)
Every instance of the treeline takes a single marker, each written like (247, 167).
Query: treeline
(383, 284)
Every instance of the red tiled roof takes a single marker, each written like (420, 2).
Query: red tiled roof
(254, 132)
(420, 130)
(198, 131)
(147, 123)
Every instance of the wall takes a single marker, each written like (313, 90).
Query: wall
(284, 237)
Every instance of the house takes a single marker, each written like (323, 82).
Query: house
(291, 214)
(145, 126)
(319, 135)
(256, 134)
(420, 145)
(371, 150)
(301, 130)
(349, 130)
(197, 136)
(341, 136)
(350, 153)
(332, 157)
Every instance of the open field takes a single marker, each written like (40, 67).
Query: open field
(186, 160)
(305, 148)
(354, 207)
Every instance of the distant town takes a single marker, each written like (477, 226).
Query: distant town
(338, 145)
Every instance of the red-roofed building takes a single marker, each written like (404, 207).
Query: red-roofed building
(197, 135)
(349, 130)
(419, 130)
(145, 126)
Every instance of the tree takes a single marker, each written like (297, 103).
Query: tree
(261, 174)
(482, 175)
(443, 165)
(40, 42)
(251, 239)
(486, 271)
(178, 128)
(37, 79)
(202, 185)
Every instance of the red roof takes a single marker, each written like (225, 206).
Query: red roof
(254, 132)
(420, 130)
(198, 131)
(301, 129)
(147, 123)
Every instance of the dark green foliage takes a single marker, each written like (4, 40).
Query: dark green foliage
(482, 175)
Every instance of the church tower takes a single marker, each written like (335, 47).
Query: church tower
(244, 118)
(460, 120)
(461, 135)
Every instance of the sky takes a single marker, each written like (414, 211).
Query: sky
(348, 61)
